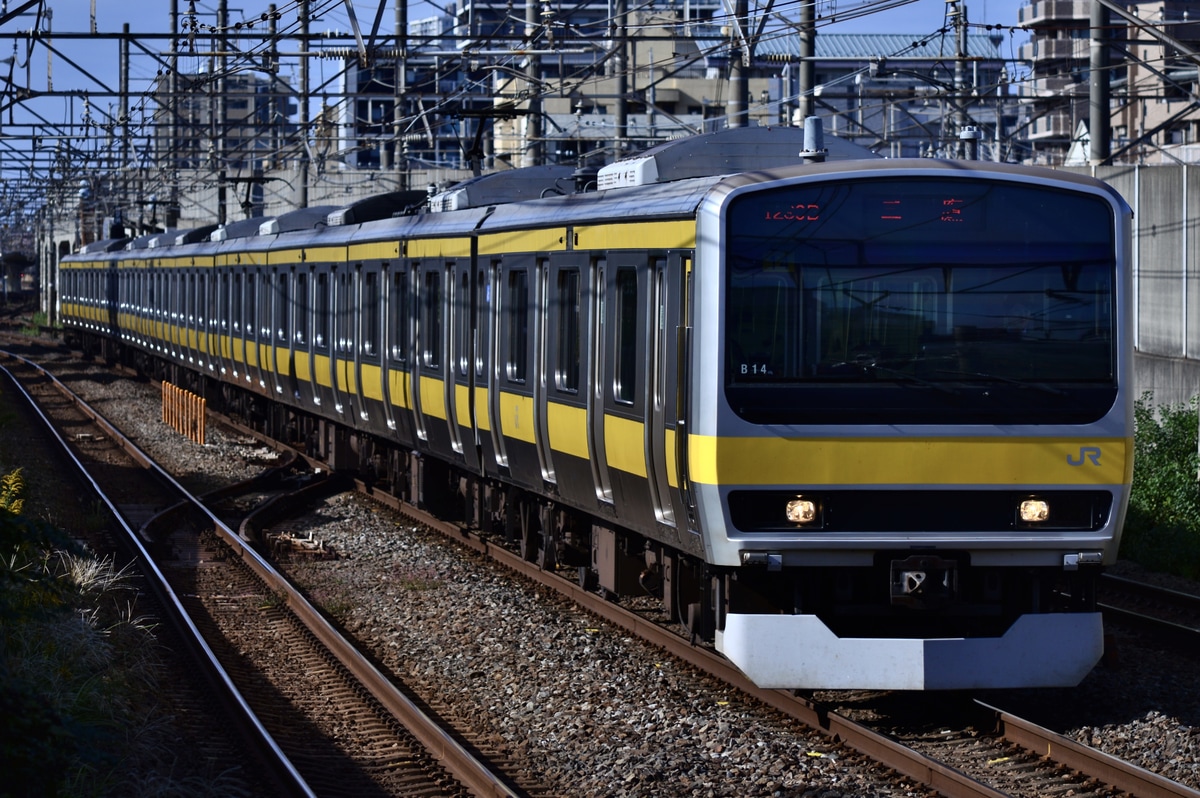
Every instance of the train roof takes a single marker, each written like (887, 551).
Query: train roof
(161, 239)
(238, 229)
(508, 185)
(726, 152)
(300, 219)
(380, 206)
(106, 245)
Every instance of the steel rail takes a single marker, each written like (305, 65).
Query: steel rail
(474, 774)
(934, 774)
(1115, 772)
(285, 775)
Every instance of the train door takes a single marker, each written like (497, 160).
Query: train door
(601, 479)
(203, 321)
(216, 319)
(540, 402)
(322, 364)
(497, 377)
(518, 366)
(483, 351)
(180, 303)
(281, 350)
(258, 326)
(154, 308)
(399, 321)
(322, 341)
(681, 493)
(224, 328)
(302, 337)
(237, 301)
(463, 364)
(668, 302)
(625, 403)
(439, 413)
(195, 324)
(171, 324)
(568, 364)
(429, 389)
(112, 298)
(372, 407)
(343, 357)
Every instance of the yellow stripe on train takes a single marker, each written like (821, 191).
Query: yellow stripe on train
(909, 461)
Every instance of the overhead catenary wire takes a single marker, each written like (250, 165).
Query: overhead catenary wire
(248, 47)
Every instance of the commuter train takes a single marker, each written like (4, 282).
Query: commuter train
(859, 422)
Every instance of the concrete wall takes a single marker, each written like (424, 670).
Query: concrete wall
(1166, 274)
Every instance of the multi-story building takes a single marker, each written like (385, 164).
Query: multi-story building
(237, 123)
(1152, 82)
(571, 94)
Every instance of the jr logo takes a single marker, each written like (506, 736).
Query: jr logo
(1085, 453)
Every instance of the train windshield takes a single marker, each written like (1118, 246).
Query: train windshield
(920, 301)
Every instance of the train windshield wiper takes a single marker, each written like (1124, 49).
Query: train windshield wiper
(980, 375)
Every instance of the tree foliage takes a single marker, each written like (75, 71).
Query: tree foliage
(1162, 527)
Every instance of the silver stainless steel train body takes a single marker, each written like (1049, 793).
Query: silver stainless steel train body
(878, 411)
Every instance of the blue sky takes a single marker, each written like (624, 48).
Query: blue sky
(916, 17)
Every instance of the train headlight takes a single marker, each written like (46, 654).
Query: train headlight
(1034, 511)
(801, 510)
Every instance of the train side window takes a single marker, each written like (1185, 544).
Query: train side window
(302, 308)
(432, 321)
(627, 340)
(566, 372)
(517, 318)
(399, 317)
(370, 313)
(321, 310)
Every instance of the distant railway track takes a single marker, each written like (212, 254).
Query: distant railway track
(291, 679)
(1152, 607)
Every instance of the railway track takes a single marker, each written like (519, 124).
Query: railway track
(1153, 607)
(995, 754)
(1001, 742)
(324, 719)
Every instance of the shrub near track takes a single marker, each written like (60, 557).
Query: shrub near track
(1162, 527)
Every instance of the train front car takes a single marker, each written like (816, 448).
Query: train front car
(912, 456)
